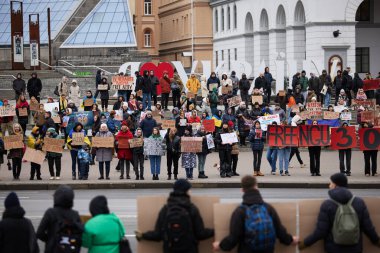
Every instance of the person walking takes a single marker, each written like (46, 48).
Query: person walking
(341, 237)
(173, 152)
(34, 87)
(315, 157)
(104, 231)
(257, 145)
(19, 86)
(267, 229)
(17, 233)
(104, 155)
(124, 154)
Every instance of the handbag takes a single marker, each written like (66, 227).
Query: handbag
(124, 245)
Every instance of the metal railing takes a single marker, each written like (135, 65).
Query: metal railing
(8, 76)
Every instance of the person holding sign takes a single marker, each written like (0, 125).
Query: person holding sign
(370, 156)
(202, 155)
(22, 112)
(104, 95)
(342, 154)
(6, 121)
(104, 155)
(124, 154)
(315, 157)
(189, 160)
(88, 101)
(257, 145)
(225, 150)
(153, 147)
(173, 151)
(34, 141)
(138, 155)
(16, 154)
(54, 158)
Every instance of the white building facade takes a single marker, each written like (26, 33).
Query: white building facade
(289, 36)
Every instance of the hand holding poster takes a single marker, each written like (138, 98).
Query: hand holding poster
(166, 124)
(234, 101)
(373, 84)
(268, 120)
(122, 82)
(229, 138)
(51, 107)
(33, 155)
(226, 89)
(314, 135)
(282, 136)
(13, 142)
(209, 125)
(210, 141)
(88, 102)
(8, 110)
(136, 142)
(191, 144)
(258, 99)
(77, 139)
(315, 110)
(102, 86)
(330, 115)
(123, 142)
(343, 138)
(103, 142)
(23, 112)
(53, 145)
(369, 138)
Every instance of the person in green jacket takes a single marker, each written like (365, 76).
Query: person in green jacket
(104, 231)
(304, 82)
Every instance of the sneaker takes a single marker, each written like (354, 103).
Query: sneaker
(281, 173)
(57, 178)
(367, 175)
(302, 165)
(273, 173)
(287, 173)
(290, 166)
(374, 174)
(52, 178)
(260, 174)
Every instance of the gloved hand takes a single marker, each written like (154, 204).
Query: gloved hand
(139, 235)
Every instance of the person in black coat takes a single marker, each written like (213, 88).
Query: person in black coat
(146, 87)
(34, 87)
(202, 155)
(179, 197)
(63, 204)
(154, 81)
(339, 193)
(104, 95)
(173, 152)
(260, 82)
(19, 86)
(236, 236)
(17, 234)
(225, 150)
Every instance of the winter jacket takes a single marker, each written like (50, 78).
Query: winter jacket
(63, 88)
(244, 85)
(22, 119)
(154, 81)
(256, 144)
(2, 151)
(199, 231)
(228, 117)
(146, 84)
(111, 124)
(19, 86)
(205, 149)
(338, 83)
(325, 80)
(260, 82)
(34, 86)
(193, 85)
(104, 94)
(63, 203)
(255, 113)
(304, 83)
(165, 85)
(53, 154)
(75, 94)
(326, 219)
(314, 84)
(147, 126)
(357, 83)
(235, 82)
(124, 153)
(268, 78)
(16, 152)
(218, 141)
(213, 80)
(104, 154)
(17, 233)
(236, 233)
(214, 100)
(103, 233)
(298, 98)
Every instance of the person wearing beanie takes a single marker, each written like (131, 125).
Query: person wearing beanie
(61, 212)
(124, 154)
(35, 141)
(179, 201)
(103, 229)
(339, 194)
(34, 87)
(17, 233)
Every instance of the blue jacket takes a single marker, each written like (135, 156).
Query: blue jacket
(256, 144)
(147, 126)
(111, 125)
(227, 117)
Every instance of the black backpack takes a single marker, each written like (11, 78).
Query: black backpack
(178, 235)
(68, 238)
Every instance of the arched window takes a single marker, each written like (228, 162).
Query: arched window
(264, 22)
(147, 38)
(248, 23)
(147, 7)
(216, 21)
(364, 11)
(299, 14)
(235, 17)
(228, 18)
(281, 17)
(222, 20)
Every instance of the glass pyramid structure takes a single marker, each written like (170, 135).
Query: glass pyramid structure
(109, 24)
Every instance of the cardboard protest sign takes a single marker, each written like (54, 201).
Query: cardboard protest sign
(51, 107)
(373, 84)
(339, 108)
(209, 125)
(258, 99)
(265, 121)
(304, 115)
(190, 95)
(153, 147)
(331, 115)
(234, 101)
(103, 142)
(102, 86)
(282, 136)
(88, 102)
(314, 135)
(53, 145)
(136, 142)
(211, 86)
(210, 141)
(345, 116)
(226, 89)
(229, 138)
(158, 119)
(8, 110)
(122, 82)
(123, 142)
(369, 138)
(182, 122)
(34, 156)
(370, 103)
(56, 119)
(77, 139)
(23, 112)
(191, 144)
(166, 124)
(368, 116)
(314, 109)
(13, 142)
(343, 138)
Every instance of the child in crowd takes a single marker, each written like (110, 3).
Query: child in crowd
(84, 159)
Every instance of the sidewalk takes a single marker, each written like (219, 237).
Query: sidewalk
(300, 177)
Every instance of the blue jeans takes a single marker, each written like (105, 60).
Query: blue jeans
(147, 97)
(83, 169)
(155, 164)
(272, 158)
(201, 162)
(74, 161)
(327, 100)
(283, 157)
(189, 172)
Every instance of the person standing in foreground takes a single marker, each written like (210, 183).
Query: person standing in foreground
(267, 225)
(178, 205)
(315, 157)
(338, 237)
(257, 145)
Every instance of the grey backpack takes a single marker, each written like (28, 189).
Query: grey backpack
(346, 227)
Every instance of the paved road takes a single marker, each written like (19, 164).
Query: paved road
(123, 202)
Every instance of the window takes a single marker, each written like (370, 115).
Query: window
(228, 18)
(235, 54)
(362, 59)
(216, 21)
(229, 59)
(147, 38)
(235, 17)
(147, 7)
(222, 55)
(363, 13)
(216, 58)
(222, 28)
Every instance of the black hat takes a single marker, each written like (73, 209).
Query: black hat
(339, 179)
(99, 205)
(181, 185)
(11, 201)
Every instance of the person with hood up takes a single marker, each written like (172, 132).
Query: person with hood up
(165, 89)
(256, 111)
(90, 98)
(193, 85)
(34, 141)
(62, 87)
(118, 104)
(212, 80)
(340, 195)
(189, 160)
(235, 83)
(244, 86)
(296, 120)
(204, 89)
(175, 113)
(78, 128)
(98, 80)
(104, 231)
(214, 101)
(16, 154)
(104, 95)
(74, 92)
(225, 82)
(104, 155)
(179, 197)
(155, 140)
(361, 95)
(147, 124)
(17, 233)
(7, 121)
(22, 104)
(176, 92)
(173, 152)
(61, 212)
(229, 116)
(138, 156)
(256, 138)
(124, 154)
(224, 152)
(146, 87)
(54, 158)
(34, 87)
(155, 83)
(19, 86)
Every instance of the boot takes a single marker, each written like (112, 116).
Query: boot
(175, 177)
(202, 175)
(169, 177)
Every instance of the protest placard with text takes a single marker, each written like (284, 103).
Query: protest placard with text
(136, 142)
(258, 99)
(34, 156)
(373, 84)
(265, 121)
(122, 82)
(123, 142)
(23, 112)
(234, 101)
(369, 138)
(314, 109)
(102, 87)
(226, 89)
(282, 136)
(191, 144)
(331, 115)
(209, 125)
(103, 142)
(368, 116)
(229, 138)
(88, 102)
(77, 139)
(13, 141)
(314, 135)
(345, 116)
(53, 145)
(8, 110)
(166, 124)
(343, 138)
